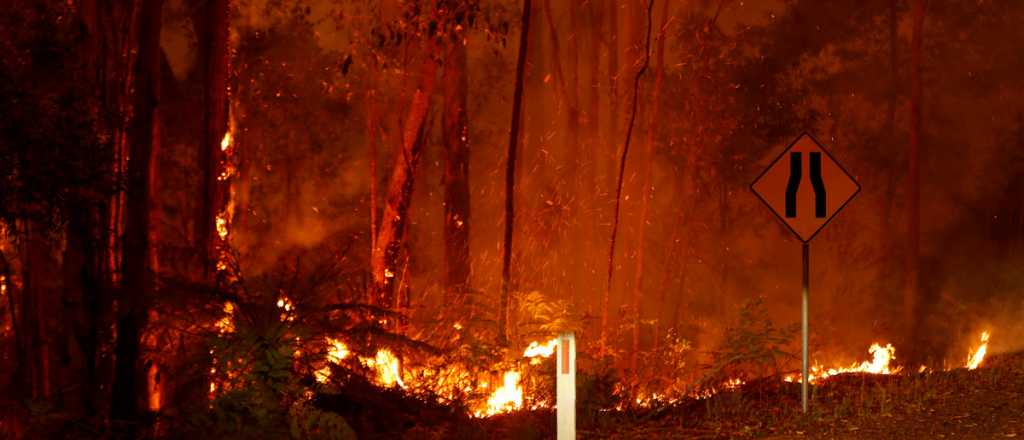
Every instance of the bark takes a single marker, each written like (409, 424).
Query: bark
(214, 31)
(910, 300)
(510, 176)
(38, 311)
(387, 252)
(647, 189)
(618, 188)
(81, 297)
(456, 174)
(127, 391)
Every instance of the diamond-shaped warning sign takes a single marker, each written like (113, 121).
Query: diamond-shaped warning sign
(805, 187)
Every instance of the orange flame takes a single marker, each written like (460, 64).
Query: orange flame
(508, 397)
(976, 356)
(879, 364)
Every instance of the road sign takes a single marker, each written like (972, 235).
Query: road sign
(805, 187)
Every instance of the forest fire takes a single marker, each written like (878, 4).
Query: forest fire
(367, 219)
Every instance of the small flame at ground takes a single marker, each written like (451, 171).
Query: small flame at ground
(975, 357)
(508, 397)
(881, 357)
(386, 365)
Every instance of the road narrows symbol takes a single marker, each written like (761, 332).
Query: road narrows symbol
(805, 187)
(793, 184)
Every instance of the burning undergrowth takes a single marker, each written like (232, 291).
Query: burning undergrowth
(292, 342)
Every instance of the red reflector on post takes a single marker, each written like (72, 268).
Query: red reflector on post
(565, 355)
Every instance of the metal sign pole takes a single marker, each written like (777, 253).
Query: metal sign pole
(806, 282)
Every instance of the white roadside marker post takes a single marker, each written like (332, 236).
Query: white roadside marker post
(566, 386)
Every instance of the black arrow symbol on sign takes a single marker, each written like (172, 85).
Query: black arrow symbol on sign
(817, 183)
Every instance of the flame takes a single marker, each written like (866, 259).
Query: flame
(881, 357)
(976, 356)
(508, 397)
(336, 350)
(225, 143)
(386, 365)
(222, 226)
(543, 350)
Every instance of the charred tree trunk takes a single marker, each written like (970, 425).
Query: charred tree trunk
(910, 300)
(510, 176)
(456, 173)
(138, 280)
(214, 51)
(81, 299)
(387, 252)
(647, 189)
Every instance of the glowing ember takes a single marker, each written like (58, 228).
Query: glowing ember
(975, 357)
(508, 397)
(222, 226)
(287, 308)
(227, 323)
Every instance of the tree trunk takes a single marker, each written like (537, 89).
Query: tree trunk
(214, 51)
(456, 174)
(143, 140)
(647, 189)
(510, 176)
(386, 257)
(912, 294)
(618, 188)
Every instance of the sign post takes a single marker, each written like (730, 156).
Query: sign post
(805, 209)
(566, 386)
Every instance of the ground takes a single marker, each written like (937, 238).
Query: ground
(987, 403)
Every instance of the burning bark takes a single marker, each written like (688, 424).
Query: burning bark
(138, 277)
(387, 252)
(215, 52)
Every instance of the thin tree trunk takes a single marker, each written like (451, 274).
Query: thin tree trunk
(215, 15)
(387, 253)
(372, 129)
(618, 188)
(647, 189)
(456, 174)
(890, 122)
(143, 136)
(510, 176)
(914, 193)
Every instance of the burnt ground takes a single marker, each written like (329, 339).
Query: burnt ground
(987, 403)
